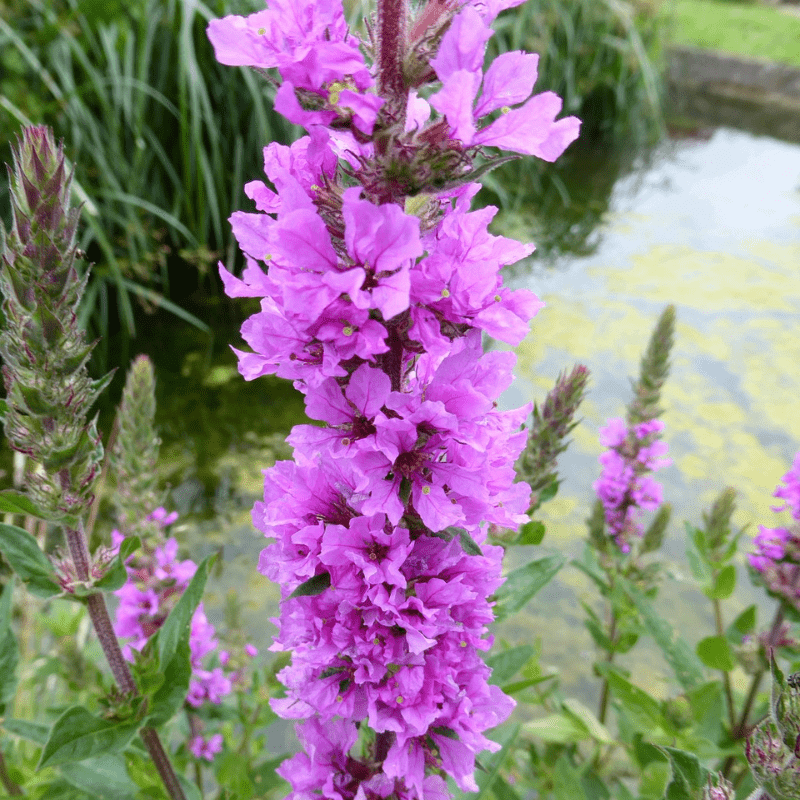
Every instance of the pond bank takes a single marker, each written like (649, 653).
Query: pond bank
(717, 88)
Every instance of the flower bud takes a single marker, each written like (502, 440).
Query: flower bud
(718, 788)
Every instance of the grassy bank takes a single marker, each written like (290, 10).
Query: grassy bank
(742, 28)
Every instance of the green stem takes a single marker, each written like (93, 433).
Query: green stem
(726, 678)
(604, 693)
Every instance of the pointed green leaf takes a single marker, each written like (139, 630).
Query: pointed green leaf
(103, 777)
(642, 709)
(523, 583)
(168, 699)
(724, 584)
(14, 502)
(685, 664)
(581, 714)
(531, 532)
(468, 544)
(508, 735)
(77, 735)
(9, 650)
(715, 652)
(25, 557)
(507, 664)
(688, 776)
(566, 781)
(32, 731)
(743, 625)
(177, 625)
(557, 728)
(313, 586)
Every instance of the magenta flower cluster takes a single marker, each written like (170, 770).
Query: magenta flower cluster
(156, 580)
(374, 303)
(625, 486)
(777, 556)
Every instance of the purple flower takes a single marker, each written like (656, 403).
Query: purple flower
(200, 748)
(624, 486)
(530, 129)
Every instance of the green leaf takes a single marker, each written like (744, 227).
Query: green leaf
(22, 552)
(566, 781)
(496, 760)
(168, 699)
(715, 652)
(313, 586)
(190, 791)
(14, 502)
(724, 584)
(557, 728)
(531, 533)
(230, 770)
(699, 566)
(116, 574)
(32, 731)
(583, 716)
(523, 583)
(264, 776)
(642, 709)
(77, 735)
(688, 776)
(177, 625)
(468, 544)
(507, 664)
(103, 777)
(685, 664)
(9, 650)
(743, 625)
(518, 686)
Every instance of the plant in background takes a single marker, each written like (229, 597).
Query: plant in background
(379, 282)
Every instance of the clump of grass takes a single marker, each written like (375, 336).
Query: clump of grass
(164, 137)
(603, 57)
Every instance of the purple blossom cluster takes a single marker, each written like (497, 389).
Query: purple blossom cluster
(156, 580)
(624, 486)
(374, 298)
(777, 556)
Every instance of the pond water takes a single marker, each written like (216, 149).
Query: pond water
(713, 226)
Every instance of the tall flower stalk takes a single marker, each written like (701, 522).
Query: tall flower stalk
(377, 282)
(49, 392)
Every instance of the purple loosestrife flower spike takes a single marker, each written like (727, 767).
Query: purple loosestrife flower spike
(377, 281)
(634, 450)
(49, 392)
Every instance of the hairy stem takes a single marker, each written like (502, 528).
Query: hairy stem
(98, 612)
(392, 23)
(10, 786)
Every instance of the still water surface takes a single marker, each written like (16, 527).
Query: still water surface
(713, 226)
